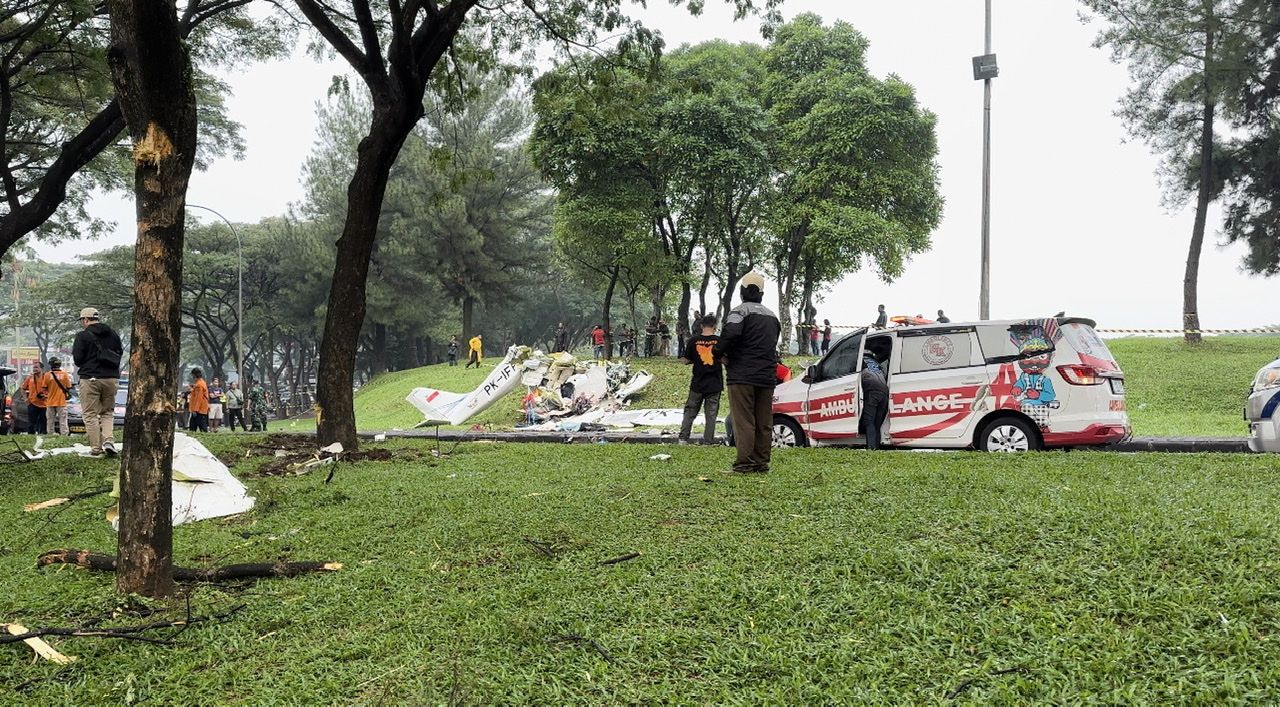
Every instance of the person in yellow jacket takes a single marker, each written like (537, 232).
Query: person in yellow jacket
(57, 386)
(476, 352)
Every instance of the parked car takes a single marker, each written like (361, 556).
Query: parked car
(1015, 385)
(1262, 409)
(75, 413)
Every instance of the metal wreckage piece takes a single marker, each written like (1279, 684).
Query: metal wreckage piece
(562, 394)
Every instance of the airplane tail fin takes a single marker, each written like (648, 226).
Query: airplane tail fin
(434, 404)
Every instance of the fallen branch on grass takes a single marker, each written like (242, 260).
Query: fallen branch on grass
(968, 682)
(575, 638)
(64, 499)
(20, 633)
(107, 563)
(620, 558)
(545, 549)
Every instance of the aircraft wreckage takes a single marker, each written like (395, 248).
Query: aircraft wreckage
(562, 394)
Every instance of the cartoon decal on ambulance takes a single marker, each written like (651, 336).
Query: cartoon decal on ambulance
(1033, 389)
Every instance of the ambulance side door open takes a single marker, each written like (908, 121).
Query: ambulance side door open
(832, 405)
(939, 372)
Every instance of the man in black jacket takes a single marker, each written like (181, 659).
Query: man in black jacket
(97, 352)
(748, 344)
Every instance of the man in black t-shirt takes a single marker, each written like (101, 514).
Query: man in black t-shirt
(706, 383)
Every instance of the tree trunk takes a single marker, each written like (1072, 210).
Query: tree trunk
(608, 305)
(706, 281)
(1190, 281)
(468, 312)
(686, 325)
(335, 411)
(151, 71)
(379, 348)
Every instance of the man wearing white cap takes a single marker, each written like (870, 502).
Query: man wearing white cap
(749, 345)
(97, 352)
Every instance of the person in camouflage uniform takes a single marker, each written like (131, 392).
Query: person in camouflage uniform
(258, 408)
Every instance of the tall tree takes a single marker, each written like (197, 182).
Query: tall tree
(857, 177)
(151, 70)
(60, 121)
(1184, 58)
(395, 49)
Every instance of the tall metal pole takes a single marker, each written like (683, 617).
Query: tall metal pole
(239, 294)
(984, 297)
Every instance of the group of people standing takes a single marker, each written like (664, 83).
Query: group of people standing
(97, 353)
(203, 405)
(47, 394)
(746, 354)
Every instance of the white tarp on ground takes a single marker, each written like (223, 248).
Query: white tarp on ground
(203, 486)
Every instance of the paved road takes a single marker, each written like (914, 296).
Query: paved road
(1138, 444)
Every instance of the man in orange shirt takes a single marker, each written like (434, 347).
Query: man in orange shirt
(56, 387)
(33, 386)
(198, 402)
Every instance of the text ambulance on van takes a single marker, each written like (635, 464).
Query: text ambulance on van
(1014, 385)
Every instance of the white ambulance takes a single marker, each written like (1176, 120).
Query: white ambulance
(1011, 386)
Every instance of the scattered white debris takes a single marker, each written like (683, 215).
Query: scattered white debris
(660, 457)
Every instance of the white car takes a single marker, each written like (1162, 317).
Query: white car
(1263, 409)
(1016, 385)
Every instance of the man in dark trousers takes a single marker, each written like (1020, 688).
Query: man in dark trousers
(562, 338)
(97, 352)
(748, 346)
(875, 401)
(882, 318)
(706, 382)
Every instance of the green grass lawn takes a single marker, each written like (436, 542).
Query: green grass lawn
(843, 577)
(1173, 389)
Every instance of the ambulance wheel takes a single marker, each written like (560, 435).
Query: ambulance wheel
(1009, 434)
(787, 433)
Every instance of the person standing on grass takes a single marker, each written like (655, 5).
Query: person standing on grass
(749, 348)
(562, 338)
(216, 401)
(453, 350)
(97, 352)
(235, 407)
(814, 335)
(198, 402)
(57, 388)
(33, 386)
(475, 352)
(875, 401)
(184, 399)
(706, 382)
(826, 336)
(597, 341)
(258, 407)
(664, 332)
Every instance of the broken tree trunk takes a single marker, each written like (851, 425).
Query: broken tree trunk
(151, 71)
(107, 563)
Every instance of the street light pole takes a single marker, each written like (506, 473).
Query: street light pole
(984, 69)
(239, 293)
(984, 296)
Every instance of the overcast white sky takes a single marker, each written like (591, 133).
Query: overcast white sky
(1077, 221)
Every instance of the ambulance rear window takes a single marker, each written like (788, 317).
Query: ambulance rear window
(1090, 347)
